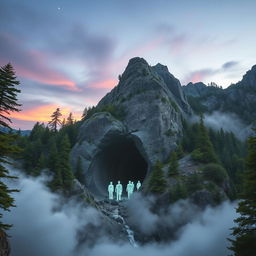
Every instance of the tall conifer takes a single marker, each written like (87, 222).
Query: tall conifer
(244, 242)
(55, 121)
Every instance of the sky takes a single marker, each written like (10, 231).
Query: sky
(69, 53)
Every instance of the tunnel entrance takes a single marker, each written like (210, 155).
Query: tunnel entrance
(118, 159)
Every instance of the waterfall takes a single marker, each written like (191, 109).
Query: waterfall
(129, 232)
(114, 214)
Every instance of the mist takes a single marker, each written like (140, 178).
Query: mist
(43, 224)
(229, 122)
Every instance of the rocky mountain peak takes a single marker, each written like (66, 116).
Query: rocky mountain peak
(136, 67)
(161, 68)
(249, 79)
(138, 122)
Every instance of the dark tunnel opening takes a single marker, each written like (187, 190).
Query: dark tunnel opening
(118, 159)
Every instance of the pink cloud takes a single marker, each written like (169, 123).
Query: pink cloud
(199, 75)
(42, 113)
(32, 64)
(106, 84)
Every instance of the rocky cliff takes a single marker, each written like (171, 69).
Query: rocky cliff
(126, 146)
(239, 98)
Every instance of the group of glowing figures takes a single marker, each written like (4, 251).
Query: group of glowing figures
(119, 190)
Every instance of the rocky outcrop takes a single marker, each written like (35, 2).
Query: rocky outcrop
(153, 105)
(239, 98)
(198, 89)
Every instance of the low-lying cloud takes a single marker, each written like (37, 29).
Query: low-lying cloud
(44, 225)
(228, 122)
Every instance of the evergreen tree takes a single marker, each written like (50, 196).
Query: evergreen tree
(157, 181)
(67, 175)
(63, 123)
(54, 166)
(70, 119)
(85, 112)
(6, 200)
(8, 103)
(174, 165)
(37, 131)
(179, 151)
(193, 183)
(204, 151)
(245, 231)
(40, 165)
(8, 94)
(178, 192)
(55, 121)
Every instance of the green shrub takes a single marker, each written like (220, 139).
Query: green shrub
(116, 111)
(194, 183)
(197, 155)
(164, 100)
(169, 133)
(178, 192)
(215, 173)
(215, 191)
(157, 182)
(174, 165)
(174, 105)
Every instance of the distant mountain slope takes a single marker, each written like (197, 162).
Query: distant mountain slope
(239, 98)
(22, 132)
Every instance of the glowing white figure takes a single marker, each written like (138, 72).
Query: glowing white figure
(111, 191)
(132, 187)
(138, 185)
(119, 191)
(129, 189)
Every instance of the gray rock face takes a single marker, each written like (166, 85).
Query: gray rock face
(249, 79)
(195, 89)
(154, 105)
(239, 98)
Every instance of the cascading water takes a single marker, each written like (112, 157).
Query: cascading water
(113, 212)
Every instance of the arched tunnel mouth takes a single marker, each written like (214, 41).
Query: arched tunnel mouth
(119, 159)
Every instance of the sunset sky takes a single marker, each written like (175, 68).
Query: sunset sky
(69, 53)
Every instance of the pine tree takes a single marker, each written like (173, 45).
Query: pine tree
(37, 131)
(244, 243)
(157, 181)
(8, 94)
(204, 151)
(174, 165)
(178, 192)
(63, 123)
(40, 165)
(85, 112)
(8, 103)
(55, 167)
(55, 122)
(6, 200)
(67, 175)
(70, 119)
(179, 151)
(79, 170)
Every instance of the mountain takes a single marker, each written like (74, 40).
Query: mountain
(132, 132)
(138, 123)
(239, 98)
(141, 131)
(22, 132)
